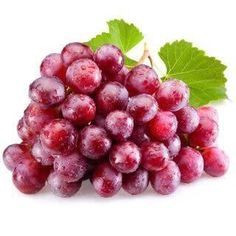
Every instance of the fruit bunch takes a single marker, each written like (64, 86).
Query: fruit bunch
(90, 117)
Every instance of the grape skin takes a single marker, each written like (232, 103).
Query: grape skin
(142, 79)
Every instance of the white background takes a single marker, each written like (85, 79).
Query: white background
(29, 30)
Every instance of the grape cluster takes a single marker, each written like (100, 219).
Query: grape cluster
(90, 117)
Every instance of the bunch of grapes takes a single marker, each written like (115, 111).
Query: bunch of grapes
(92, 118)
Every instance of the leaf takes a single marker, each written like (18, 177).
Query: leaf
(203, 74)
(123, 35)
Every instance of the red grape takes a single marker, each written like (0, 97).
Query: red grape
(120, 76)
(190, 163)
(59, 137)
(155, 156)
(172, 95)
(208, 112)
(173, 145)
(99, 121)
(80, 109)
(24, 132)
(61, 188)
(74, 51)
(15, 154)
(166, 180)
(188, 119)
(71, 168)
(142, 79)
(136, 182)
(30, 176)
(139, 135)
(216, 162)
(94, 142)
(83, 76)
(125, 157)
(109, 58)
(41, 155)
(119, 125)
(112, 96)
(106, 180)
(163, 126)
(36, 116)
(142, 108)
(52, 65)
(206, 133)
(47, 91)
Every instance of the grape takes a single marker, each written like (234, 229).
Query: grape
(188, 119)
(173, 145)
(52, 66)
(74, 51)
(15, 154)
(106, 180)
(155, 156)
(190, 163)
(83, 76)
(71, 168)
(61, 188)
(99, 121)
(208, 112)
(163, 126)
(136, 182)
(166, 180)
(142, 108)
(36, 116)
(59, 137)
(120, 76)
(94, 142)
(119, 124)
(24, 132)
(47, 91)
(172, 95)
(79, 109)
(216, 162)
(206, 133)
(109, 58)
(139, 135)
(125, 157)
(30, 176)
(41, 155)
(142, 79)
(112, 96)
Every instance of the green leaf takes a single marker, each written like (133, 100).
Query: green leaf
(130, 62)
(123, 35)
(99, 40)
(203, 74)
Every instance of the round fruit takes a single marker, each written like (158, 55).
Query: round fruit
(112, 96)
(109, 58)
(125, 157)
(216, 162)
(190, 163)
(142, 108)
(119, 124)
(163, 126)
(94, 142)
(106, 180)
(47, 91)
(166, 180)
(80, 109)
(155, 156)
(59, 137)
(172, 95)
(83, 76)
(142, 79)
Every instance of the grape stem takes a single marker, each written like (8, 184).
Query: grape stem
(146, 55)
